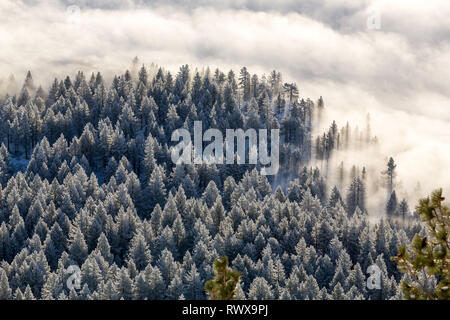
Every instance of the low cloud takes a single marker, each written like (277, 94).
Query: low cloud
(398, 73)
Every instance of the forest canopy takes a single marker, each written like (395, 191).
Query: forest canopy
(86, 179)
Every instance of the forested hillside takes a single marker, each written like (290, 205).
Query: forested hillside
(86, 179)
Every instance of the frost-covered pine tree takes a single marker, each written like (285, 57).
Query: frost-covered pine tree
(5, 290)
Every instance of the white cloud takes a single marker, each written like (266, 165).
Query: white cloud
(399, 73)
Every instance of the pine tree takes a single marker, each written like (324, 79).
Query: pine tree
(217, 213)
(356, 196)
(28, 294)
(260, 290)
(335, 198)
(193, 285)
(78, 248)
(245, 84)
(427, 257)
(139, 252)
(176, 288)
(390, 174)
(391, 207)
(211, 193)
(403, 210)
(5, 290)
(141, 287)
(291, 90)
(124, 285)
(338, 293)
(156, 283)
(223, 285)
(156, 188)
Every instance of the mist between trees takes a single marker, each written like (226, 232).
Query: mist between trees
(87, 179)
(254, 143)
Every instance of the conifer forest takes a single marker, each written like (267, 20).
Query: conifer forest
(93, 206)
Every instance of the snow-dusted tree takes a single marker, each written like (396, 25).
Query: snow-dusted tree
(356, 196)
(260, 290)
(390, 174)
(156, 284)
(78, 248)
(139, 252)
(5, 290)
(391, 207)
(156, 189)
(124, 285)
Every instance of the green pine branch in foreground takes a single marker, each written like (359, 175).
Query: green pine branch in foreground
(223, 285)
(428, 257)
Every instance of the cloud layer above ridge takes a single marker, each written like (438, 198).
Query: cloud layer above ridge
(398, 73)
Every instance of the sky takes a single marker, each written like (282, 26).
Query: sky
(388, 58)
